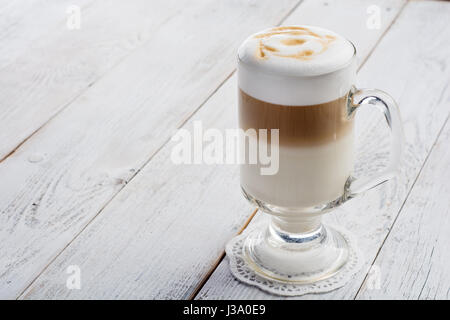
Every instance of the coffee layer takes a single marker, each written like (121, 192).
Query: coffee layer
(298, 125)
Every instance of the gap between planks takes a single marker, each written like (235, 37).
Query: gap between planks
(403, 204)
(415, 179)
(222, 256)
(219, 260)
(81, 93)
(123, 186)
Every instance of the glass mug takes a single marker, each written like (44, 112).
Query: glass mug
(300, 80)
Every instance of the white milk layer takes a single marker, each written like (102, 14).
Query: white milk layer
(296, 65)
(307, 176)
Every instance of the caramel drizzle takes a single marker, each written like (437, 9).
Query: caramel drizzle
(294, 31)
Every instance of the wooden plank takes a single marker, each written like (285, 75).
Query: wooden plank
(24, 22)
(45, 65)
(410, 65)
(413, 263)
(63, 176)
(161, 235)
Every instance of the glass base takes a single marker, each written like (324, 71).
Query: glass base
(296, 258)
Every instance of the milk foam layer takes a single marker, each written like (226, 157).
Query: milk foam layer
(297, 50)
(296, 65)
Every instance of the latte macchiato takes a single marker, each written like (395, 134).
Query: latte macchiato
(297, 99)
(297, 79)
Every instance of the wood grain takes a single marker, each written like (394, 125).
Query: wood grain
(168, 226)
(25, 22)
(413, 263)
(45, 65)
(64, 175)
(413, 67)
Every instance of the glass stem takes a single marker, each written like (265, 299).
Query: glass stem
(296, 230)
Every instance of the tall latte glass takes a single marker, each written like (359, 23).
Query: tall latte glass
(300, 80)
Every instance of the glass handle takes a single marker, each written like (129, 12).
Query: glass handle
(386, 104)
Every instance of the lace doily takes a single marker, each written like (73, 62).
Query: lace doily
(242, 272)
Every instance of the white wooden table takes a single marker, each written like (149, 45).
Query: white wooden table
(86, 116)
